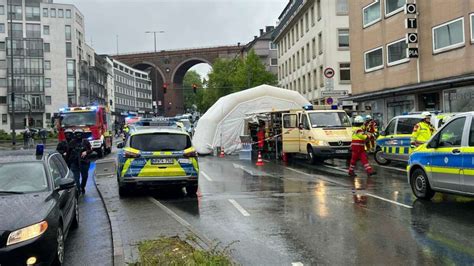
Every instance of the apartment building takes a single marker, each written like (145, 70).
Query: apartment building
(133, 94)
(312, 36)
(412, 59)
(265, 48)
(45, 44)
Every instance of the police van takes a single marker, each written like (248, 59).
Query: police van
(394, 142)
(446, 162)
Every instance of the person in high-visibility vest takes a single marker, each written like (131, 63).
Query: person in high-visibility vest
(359, 137)
(371, 127)
(422, 131)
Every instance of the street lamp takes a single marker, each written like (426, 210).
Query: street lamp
(11, 71)
(154, 35)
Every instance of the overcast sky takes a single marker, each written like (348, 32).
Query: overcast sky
(187, 23)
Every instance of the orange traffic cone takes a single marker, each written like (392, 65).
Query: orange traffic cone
(222, 155)
(259, 160)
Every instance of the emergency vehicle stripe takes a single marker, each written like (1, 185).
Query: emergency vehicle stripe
(126, 166)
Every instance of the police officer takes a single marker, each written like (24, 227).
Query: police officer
(63, 146)
(359, 137)
(422, 131)
(80, 149)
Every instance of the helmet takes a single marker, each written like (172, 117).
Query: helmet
(68, 133)
(368, 117)
(78, 133)
(426, 114)
(358, 119)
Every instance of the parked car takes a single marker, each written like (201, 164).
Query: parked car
(156, 157)
(446, 162)
(38, 206)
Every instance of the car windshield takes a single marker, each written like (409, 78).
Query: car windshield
(329, 119)
(78, 119)
(160, 142)
(22, 177)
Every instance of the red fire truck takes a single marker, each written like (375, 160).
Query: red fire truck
(94, 120)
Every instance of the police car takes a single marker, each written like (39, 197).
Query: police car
(394, 142)
(446, 162)
(160, 156)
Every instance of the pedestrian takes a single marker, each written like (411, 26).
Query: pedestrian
(371, 128)
(422, 131)
(359, 137)
(80, 149)
(43, 133)
(63, 146)
(261, 137)
(26, 138)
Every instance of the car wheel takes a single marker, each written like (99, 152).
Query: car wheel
(379, 158)
(123, 191)
(59, 246)
(310, 156)
(75, 220)
(420, 185)
(191, 190)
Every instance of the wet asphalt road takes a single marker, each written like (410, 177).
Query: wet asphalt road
(279, 215)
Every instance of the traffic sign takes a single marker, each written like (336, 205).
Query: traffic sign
(334, 93)
(329, 100)
(329, 84)
(329, 72)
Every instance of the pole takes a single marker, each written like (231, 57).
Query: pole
(117, 43)
(154, 34)
(11, 71)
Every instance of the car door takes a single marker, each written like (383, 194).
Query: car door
(290, 132)
(384, 140)
(66, 197)
(402, 139)
(305, 132)
(446, 159)
(468, 161)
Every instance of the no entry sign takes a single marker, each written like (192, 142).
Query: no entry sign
(329, 72)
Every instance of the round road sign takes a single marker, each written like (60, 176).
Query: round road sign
(329, 72)
(329, 100)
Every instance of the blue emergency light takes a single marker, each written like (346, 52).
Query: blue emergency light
(39, 150)
(308, 107)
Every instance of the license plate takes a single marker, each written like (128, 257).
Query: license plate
(342, 151)
(162, 161)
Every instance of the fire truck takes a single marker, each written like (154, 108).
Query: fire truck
(94, 120)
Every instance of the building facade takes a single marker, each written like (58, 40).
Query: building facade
(132, 93)
(312, 36)
(265, 48)
(403, 62)
(40, 54)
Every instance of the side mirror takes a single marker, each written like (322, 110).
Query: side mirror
(383, 133)
(433, 144)
(120, 145)
(66, 183)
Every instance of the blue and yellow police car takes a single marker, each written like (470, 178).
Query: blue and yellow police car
(157, 157)
(394, 142)
(446, 162)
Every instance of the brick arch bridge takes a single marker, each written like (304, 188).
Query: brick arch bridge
(169, 67)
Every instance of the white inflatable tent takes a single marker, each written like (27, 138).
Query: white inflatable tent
(223, 123)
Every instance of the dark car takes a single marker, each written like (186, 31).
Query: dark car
(38, 206)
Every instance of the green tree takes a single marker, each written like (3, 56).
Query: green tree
(190, 98)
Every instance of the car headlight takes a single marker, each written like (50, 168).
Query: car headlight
(321, 143)
(27, 233)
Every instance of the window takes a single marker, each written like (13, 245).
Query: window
(302, 57)
(68, 32)
(342, 7)
(471, 135)
(306, 17)
(298, 59)
(60, 13)
(47, 83)
(344, 72)
(343, 37)
(32, 13)
(48, 100)
(273, 46)
(17, 12)
(397, 52)
(373, 59)
(2, 10)
(308, 54)
(3, 99)
(371, 14)
(448, 36)
(273, 62)
(45, 12)
(68, 49)
(53, 12)
(3, 64)
(321, 77)
(17, 30)
(406, 125)
(320, 43)
(68, 13)
(314, 47)
(47, 64)
(4, 119)
(312, 15)
(33, 30)
(298, 31)
(394, 6)
(3, 82)
(46, 30)
(390, 129)
(451, 134)
(301, 28)
(71, 85)
(472, 27)
(47, 47)
(318, 9)
(2, 27)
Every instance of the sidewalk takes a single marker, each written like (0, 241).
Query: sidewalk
(135, 218)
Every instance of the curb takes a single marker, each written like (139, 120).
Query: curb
(117, 246)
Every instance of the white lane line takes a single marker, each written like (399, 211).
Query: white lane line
(394, 168)
(387, 200)
(206, 176)
(239, 208)
(319, 177)
(297, 264)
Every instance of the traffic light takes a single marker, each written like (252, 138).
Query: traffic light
(194, 88)
(165, 87)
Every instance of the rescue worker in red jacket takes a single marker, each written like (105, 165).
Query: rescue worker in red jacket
(261, 137)
(359, 137)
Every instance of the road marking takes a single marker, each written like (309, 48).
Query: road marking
(394, 168)
(319, 177)
(239, 208)
(391, 201)
(207, 177)
(297, 264)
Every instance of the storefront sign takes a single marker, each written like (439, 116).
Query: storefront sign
(413, 52)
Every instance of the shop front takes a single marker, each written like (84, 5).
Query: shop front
(458, 99)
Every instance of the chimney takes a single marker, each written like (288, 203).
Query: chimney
(269, 28)
(261, 32)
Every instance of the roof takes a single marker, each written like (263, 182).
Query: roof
(286, 16)
(140, 131)
(21, 156)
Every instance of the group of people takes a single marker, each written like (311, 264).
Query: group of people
(76, 151)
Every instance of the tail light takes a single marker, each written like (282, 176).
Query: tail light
(190, 154)
(128, 154)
